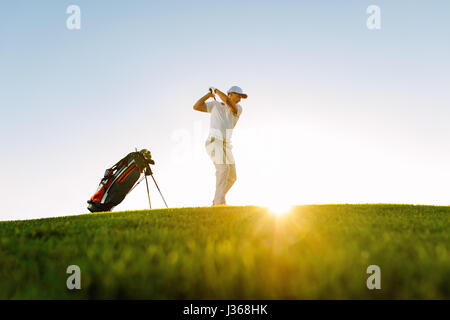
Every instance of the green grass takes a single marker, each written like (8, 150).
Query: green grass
(315, 252)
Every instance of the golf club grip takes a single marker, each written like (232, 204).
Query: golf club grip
(211, 90)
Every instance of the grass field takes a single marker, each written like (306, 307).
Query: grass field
(314, 252)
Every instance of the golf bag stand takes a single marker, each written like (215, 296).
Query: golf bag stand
(150, 173)
(121, 179)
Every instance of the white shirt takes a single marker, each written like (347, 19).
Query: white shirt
(223, 120)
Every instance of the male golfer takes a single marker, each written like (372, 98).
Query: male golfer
(224, 116)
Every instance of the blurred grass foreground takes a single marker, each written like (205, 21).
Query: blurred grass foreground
(311, 252)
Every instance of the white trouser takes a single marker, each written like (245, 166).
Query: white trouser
(222, 157)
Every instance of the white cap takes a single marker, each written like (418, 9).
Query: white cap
(237, 90)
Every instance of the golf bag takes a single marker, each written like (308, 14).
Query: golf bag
(119, 180)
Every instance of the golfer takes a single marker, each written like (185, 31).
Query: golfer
(224, 116)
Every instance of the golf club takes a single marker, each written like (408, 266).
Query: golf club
(212, 90)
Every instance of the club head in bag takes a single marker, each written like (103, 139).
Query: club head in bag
(147, 156)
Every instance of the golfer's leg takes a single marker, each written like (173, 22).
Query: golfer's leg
(231, 177)
(221, 183)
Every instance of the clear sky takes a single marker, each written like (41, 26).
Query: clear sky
(336, 113)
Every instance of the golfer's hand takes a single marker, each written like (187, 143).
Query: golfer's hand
(212, 92)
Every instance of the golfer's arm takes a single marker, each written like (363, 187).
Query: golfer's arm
(200, 105)
(228, 101)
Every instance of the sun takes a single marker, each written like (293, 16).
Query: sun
(279, 209)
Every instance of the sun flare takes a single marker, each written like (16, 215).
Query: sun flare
(279, 209)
